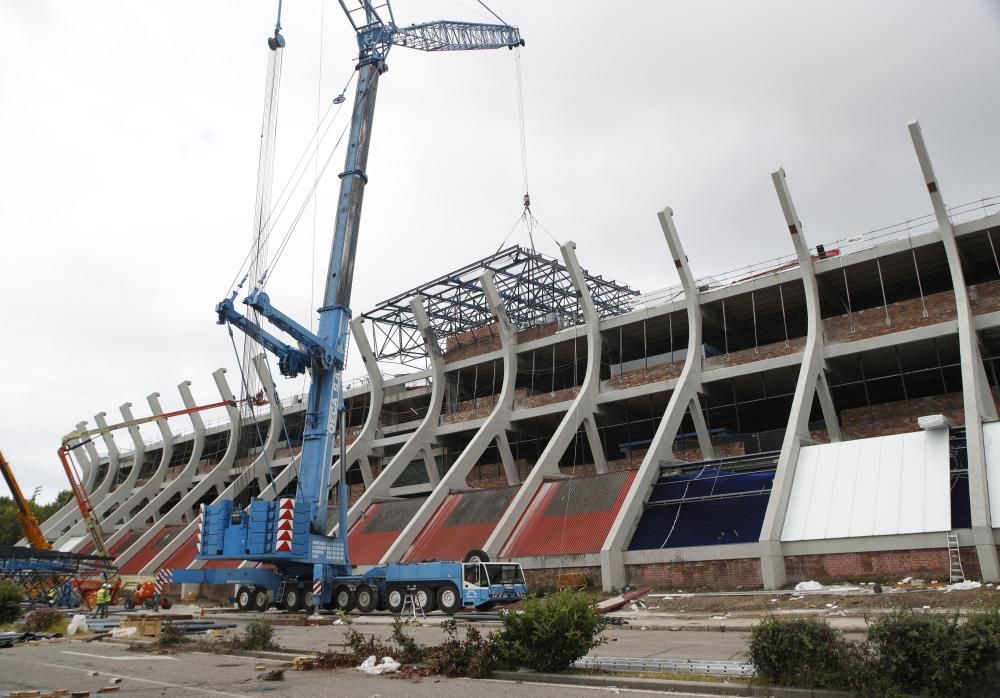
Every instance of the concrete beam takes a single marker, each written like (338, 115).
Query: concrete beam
(683, 399)
(89, 465)
(811, 378)
(422, 439)
(185, 510)
(976, 396)
(582, 407)
(493, 429)
(177, 485)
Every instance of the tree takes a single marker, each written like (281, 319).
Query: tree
(10, 530)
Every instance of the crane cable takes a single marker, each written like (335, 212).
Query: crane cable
(526, 214)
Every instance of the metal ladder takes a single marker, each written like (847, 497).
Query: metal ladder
(410, 602)
(955, 571)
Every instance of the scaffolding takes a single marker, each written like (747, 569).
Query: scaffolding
(535, 289)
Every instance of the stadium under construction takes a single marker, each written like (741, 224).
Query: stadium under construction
(827, 415)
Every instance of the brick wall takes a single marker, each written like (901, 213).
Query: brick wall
(985, 297)
(888, 565)
(538, 399)
(352, 435)
(706, 574)
(746, 356)
(642, 376)
(725, 450)
(537, 332)
(550, 576)
(470, 409)
(479, 340)
(899, 417)
(903, 315)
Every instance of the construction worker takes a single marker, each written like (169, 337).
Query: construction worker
(52, 597)
(103, 600)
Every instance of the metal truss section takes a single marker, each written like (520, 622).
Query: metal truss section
(535, 289)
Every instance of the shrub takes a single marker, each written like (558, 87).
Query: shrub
(42, 619)
(409, 651)
(910, 646)
(259, 635)
(11, 596)
(974, 660)
(550, 633)
(475, 656)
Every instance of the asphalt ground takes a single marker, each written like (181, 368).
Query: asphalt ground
(69, 665)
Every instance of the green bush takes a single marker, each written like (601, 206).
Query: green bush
(259, 635)
(804, 652)
(410, 651)
(42, 619)
(11, 596)
(550, 633)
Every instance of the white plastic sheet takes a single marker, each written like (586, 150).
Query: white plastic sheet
(388, 666)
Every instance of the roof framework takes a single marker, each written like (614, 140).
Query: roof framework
(535, 289)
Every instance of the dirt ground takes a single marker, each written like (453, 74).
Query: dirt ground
(850, 601)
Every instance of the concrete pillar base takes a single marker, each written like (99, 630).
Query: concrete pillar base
(772, 565)
(612, 570)
(986, 550)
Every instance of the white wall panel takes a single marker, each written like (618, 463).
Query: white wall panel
(882, 486)
(991, 435)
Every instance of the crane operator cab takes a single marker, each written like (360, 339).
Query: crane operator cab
(488, 583)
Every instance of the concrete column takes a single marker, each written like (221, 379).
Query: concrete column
(976, 396)
(89, 463)
(216, 477)
(151, 512)
(421, 440)
(683, 399)
(507, 458)
(104, 511)
(582, 407)
(152, 486)
(493, 427)
(811, 380)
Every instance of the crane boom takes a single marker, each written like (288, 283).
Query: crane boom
(25, 517)
(456, 36)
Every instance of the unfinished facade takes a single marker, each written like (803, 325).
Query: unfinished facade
(827, 415)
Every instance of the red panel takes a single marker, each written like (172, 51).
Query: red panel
(451, 543)
(142, 557)
(126, 541)
(368, 548)
(537, 534)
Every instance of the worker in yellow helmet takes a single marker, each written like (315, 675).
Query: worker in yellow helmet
(52, 597)
(103, 600)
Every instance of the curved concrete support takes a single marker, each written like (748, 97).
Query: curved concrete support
(151, 511)
(811, 382)
(976, 395)
(148, 489)
(106, 509)
(422, 440)
(89, 464)
(580, 411)
(216, 477)
(683, 399)
(495, 424)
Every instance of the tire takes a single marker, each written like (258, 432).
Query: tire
(260, 599)
(165, 603)
(485, 607)
(426, 600)
(129, 604)
(343, 598)
(366, 598)
(308, 601)
(244, 599)
(394, 597)
(147, 603)
(293, 599)
(449, 600)
(477, 556)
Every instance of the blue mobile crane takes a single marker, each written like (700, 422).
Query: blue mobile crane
(307, 566)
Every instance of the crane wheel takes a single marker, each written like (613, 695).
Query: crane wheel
(477, 556)
(394, 597)
(366, 598)
(448, 599)
(165, 603)
(244, 599)
(426, 599)
(261, 600)
(343, 597)
(293, 599)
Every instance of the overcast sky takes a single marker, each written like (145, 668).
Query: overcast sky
(130, 138)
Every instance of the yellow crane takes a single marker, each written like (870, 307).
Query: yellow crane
(25, 517)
